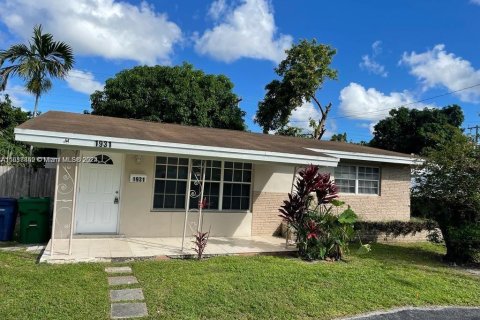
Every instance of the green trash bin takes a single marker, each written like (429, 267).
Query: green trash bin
(34, 217)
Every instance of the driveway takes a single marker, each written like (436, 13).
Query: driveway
(437, 313)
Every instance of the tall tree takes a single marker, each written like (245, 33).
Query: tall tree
(36, 63)
(448, 190)
(179, 94)
(292, 132)
(302, 72)
(10, 117)
(340, 137)
(412, 130)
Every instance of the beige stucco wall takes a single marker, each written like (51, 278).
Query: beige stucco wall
(271, 184)
(137, 218)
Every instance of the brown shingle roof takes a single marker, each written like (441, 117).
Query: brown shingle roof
(164, 132)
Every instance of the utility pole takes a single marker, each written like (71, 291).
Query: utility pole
(477, 134)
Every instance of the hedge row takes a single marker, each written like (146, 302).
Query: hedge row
(395, 228)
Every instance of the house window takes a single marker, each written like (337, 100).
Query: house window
(357, 179)
(101, 159)
(368, 180)
(227, 184)
(171, 176)
(237, 179)
(213, 178)
(345, 177)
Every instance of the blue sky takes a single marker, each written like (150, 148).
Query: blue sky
(390, 53)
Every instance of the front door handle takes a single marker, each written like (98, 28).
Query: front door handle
(115, 201)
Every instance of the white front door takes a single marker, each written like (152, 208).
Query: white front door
(98, 194)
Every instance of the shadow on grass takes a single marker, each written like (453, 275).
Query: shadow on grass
(418, 253)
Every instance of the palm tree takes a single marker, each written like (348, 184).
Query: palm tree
(42, 59)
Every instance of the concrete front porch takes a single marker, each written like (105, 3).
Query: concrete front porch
(97, 249)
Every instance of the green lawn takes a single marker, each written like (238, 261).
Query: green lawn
(241, 287)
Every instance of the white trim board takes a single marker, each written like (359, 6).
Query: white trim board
(63, 140)
(368, 157)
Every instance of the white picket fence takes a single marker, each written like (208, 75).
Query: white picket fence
(18, 182)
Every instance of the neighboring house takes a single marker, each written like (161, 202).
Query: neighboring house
(133, 177)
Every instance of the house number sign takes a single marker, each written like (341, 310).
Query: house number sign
(138, 178)
(103, 144)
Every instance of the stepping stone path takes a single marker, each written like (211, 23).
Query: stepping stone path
(126, 303)
(115, 281)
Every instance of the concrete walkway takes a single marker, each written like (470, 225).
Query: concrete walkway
(434, 313)
(96, 249)
(126, 303)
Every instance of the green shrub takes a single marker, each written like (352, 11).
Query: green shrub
(320, 233)
(395, 228)
(465, 243)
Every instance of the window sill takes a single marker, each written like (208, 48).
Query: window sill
(359, 194)
(196, 210)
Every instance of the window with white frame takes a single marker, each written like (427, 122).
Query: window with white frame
(227, 184)
(171, 176)
(357, 179)
(213, 179)
(237, 179)
(368, 180)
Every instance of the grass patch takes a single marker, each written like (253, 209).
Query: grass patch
(241, 287)
(39, 291)
(282, 288)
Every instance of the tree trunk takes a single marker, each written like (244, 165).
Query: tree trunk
(320, 129)
(35, 108)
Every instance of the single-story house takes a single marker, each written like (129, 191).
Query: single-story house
(135, 178)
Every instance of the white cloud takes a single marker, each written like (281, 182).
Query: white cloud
(106, 28)
(301, 116)
(83, 81)
(377, 47)
(370, 64)
(370, 126)
(370, 104)
(217, 9)
(18, 94)
(437, 67)
(247, 31)
(475, 2)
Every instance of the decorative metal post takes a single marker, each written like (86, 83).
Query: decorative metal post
(65, 191)
(201, 202)
(55, 196)
(194, 195)
(74, 204)
(187, 205)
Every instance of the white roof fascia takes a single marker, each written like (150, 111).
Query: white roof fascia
(369, 157)
(62, 140)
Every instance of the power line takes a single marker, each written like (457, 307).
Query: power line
(351, 115)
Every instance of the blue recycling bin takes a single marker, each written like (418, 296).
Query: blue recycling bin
(8, 217)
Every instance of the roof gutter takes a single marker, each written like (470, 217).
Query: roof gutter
(369, 157)
(62, 140)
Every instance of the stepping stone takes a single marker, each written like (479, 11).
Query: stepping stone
(118, 270)
(126, 295)
(115, 281)
(129, 310)
(35, 248)
(11, 248)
